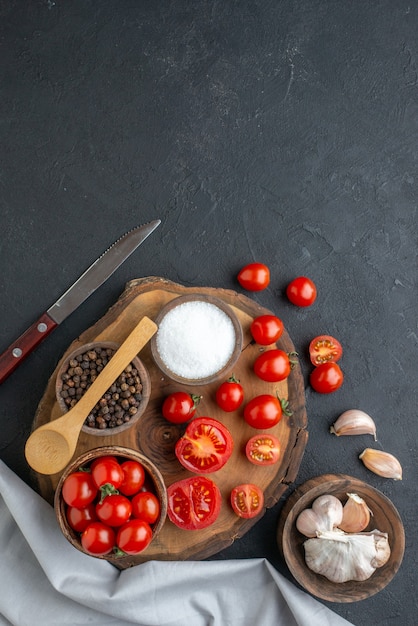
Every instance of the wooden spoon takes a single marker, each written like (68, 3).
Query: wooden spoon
(51, 446)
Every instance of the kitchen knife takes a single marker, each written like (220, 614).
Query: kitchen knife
(88, 282)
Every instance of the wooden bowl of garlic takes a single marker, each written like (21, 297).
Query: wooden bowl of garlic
(331, 563)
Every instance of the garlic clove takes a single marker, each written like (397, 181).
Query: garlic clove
(354, 422)
(356, 514)
(326, 513)
(382, 548)
(382, 463)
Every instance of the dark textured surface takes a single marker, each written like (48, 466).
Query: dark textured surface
(276, 131)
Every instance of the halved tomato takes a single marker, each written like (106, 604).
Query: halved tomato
(263, 449)
(205, 446)
(247, 500)
(325, 349)
(193, 503)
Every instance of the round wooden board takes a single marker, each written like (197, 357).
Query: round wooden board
(155, 437)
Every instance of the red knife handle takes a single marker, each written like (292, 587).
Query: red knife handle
(23, 346)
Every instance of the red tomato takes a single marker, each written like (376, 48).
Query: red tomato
(133, 477)
(134, 536)
(247, 500)
(324, 349)
(205, 446)
(193, 503)
(326, 378)
(98, 539)
(179, 407)
(265, 411)
(273, 365)
(263, 449)
(79, 489)
(254, 277)
(114, 509)
(266, 329)
(301, 291)
(230, 395)
(106, 470)
(146, 506)
(80, 518)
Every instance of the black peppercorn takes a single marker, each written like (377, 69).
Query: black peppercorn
(121, 401)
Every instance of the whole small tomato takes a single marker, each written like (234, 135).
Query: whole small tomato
(274, 365)
(80, 518)
(106, 470)
(301, 291)
(230, 395)
(114, 509)
(179, 407)
(133, 477)
(146, 506)
(265, 411)
(266, 329)
(254, 277)
(247, 500)
(326, 378)
(79, 489)
(98, 539)
(134, 536)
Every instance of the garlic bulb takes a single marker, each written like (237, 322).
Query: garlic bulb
(354, 422)
(342, 557)
(326, 513)
(356, 514)
(382, 463)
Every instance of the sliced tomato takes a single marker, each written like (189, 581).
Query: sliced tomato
(325, 349)
(263, 449)
(247, 500)
(193, 503)
(205, 446)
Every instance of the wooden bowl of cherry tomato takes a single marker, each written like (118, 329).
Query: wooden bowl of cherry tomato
(110, 503)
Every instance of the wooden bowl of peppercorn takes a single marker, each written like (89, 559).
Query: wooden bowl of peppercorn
(124, 402)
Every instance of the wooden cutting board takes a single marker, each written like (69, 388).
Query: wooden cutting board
(155, 437)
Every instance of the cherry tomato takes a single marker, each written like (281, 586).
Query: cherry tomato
(98, 539)
(301, 291)
(106, 470)
(326, 378)
(266, 329)
(146, 506)
(114, 509)
(273, 365)
(133, 477)
(134, 536)
(79, 489)
(324, 349)
(80, 518)
(254, 277)
(180, 407)
(205, 446)
(193, 503)
(265, 411)
(247, 500)
(263, 449)
(230, 395)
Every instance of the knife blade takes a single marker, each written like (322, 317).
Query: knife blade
(88, 282)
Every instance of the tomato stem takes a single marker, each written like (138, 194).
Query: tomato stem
(107, 490)
(233, 379)
(292, 362)
(196, 401)
(285, 406)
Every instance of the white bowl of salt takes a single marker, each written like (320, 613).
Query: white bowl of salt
(199, 339)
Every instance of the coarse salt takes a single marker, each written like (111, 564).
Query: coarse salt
(195, 339)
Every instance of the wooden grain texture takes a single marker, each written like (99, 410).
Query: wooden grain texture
(155, 437)
(384, 517)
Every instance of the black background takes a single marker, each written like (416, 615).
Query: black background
(276, 131)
